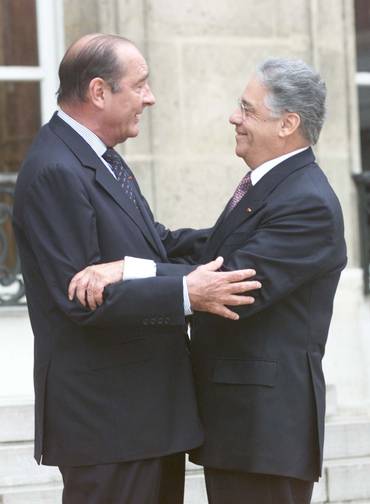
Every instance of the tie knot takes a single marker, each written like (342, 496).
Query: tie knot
(114, 159)
(240, 191)
(111, 156)
(245, 181)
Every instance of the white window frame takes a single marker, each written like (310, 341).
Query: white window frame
(50, 39)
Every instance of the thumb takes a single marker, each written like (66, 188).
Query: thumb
(214, 265)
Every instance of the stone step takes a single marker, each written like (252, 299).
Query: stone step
(348, 502)
(18, 467)
(348, 479)
(32, 494)
(16, 420)
(347, 438)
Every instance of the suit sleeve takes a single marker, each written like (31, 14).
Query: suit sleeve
(183, 246)
(293, 244)
(60, 224)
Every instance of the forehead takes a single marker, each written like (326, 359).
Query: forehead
(133, 62)
(254, 91)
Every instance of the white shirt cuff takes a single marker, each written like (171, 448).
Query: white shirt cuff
(135, 267)
(187, 305)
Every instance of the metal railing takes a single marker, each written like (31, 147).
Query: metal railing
(11, 281)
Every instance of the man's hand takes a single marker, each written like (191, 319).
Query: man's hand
(210, 290)
(88, 285)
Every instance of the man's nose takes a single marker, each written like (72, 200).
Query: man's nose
(236, 117)
(149, 98)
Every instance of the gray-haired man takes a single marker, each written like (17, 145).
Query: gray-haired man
(260, 384)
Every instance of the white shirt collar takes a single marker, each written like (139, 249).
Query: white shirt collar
(94, 141)
(264, 168)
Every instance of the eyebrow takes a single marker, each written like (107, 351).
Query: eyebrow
(145, 76)
(247, 103)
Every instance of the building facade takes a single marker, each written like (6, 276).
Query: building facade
(200, 53)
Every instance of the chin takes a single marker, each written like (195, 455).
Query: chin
(239, 151)
(134, 132)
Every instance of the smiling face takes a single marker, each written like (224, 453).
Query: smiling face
(257, 130)
(122, 109)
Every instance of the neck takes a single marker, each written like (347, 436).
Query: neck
(82, 114)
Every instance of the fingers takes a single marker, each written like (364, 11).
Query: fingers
(90, 297)
(81, 290)
(73, 285)
(94, 295)
(226, 313)
(239, 300)
(237, 275)
(213, 265)
(239, 287)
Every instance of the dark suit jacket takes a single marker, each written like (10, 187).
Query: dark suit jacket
(114, 384)
(260, 383)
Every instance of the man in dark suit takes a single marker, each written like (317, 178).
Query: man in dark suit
(260, 384)
(114, 398)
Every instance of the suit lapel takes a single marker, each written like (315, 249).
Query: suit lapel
(255, 198)
(89, 158)
(144, 216)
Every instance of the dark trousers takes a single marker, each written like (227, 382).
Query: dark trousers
(231, 487)
(152, 481)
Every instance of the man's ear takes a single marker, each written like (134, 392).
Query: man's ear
(97, 92)
(289, 123)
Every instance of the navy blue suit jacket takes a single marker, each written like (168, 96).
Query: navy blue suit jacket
(114, 384)
(260, 383)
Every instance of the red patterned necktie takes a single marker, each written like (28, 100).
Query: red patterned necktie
(240, 191)
(122, 175)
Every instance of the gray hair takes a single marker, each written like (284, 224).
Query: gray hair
(293, 86)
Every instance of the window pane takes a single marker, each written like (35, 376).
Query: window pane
(362, 16)
(364, 105)
(18, 33)
(19, 121)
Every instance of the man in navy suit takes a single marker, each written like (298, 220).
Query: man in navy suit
(114, 398)
(260, 383)
(259, 380)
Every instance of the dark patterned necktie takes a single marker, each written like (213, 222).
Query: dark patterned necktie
(121, 173)
(240, 191)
